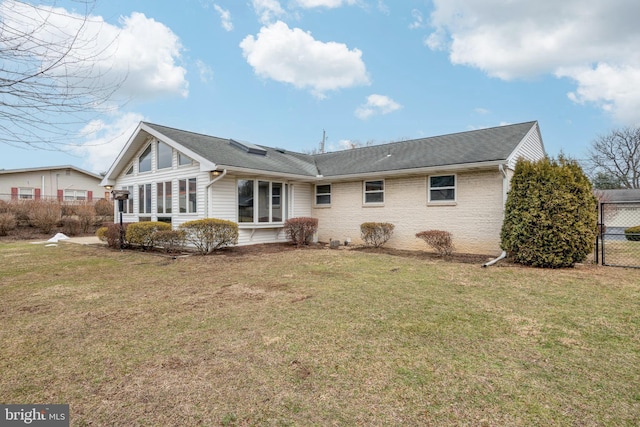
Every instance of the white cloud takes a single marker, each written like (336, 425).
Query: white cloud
(418, 20)
(225, 17)
(204, 71)
(104, 141)
(139, 56)
(375, 105)
(512, 40)
(308, 4)
(268, 10)
(293, 56)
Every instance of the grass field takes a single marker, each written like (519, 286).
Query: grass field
(316, 337)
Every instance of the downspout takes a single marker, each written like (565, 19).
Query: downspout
(217, 178)
(503, 255)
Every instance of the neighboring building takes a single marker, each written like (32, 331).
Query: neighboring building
(621, 209)
(456, 183)
(63, 183)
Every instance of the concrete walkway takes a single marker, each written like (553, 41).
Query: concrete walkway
(86, 240)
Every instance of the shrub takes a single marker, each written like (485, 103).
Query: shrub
(550, 215)
(7, 223)
(86, 215)
(4, 207)
(104, 207)
(44, 214)
(142, 233)
(440, 241)
(632, 233)
(110, 233)
(71, 225)
(170, 240)
(376, 234)
(210, 234)
(300, 230)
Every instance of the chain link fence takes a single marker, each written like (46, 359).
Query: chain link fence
(619, 239)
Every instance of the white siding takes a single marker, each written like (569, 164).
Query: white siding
(302, 199)
(530, 148)
(223, 199)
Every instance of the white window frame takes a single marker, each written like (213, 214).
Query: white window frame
(280, 200)
(317, 194)
(147, 194)
(163, 144)
(150, 148)
(26, 193)
(366, 192)
(189, 201)
(182, 162)
(162, 195)
(128, 204)
(453, 187)
(74, 195)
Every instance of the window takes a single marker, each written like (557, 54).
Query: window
(128, 204)
(187, 199)
(268, 205)
(374, 191)
(442, 188)
(184, 160)
(164, 154)
(163, 197)
(71, 195)
(323, 194)
(144, 162)
(144, 198)
(245, 200)
(25, 193)
(129, 171)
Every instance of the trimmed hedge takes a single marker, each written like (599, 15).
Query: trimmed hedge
(142, 233)
(376, 234)
(550, 215)
(210, 234)
(632, 233)
(439, 240)
(300, 230)
(170, 240)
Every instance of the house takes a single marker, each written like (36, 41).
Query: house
(62, 183)
(456, 183)
(621, 209)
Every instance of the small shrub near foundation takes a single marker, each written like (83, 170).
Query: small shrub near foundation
(170, 240)
(376, 234)
(141, 234)
(300, 230)
(210, 234)
(110, 233)
(7, 223)
(439, 240)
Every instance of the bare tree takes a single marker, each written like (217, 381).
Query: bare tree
(617, 155)
(54, 72)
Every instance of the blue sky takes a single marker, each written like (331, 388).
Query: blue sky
(278, 73)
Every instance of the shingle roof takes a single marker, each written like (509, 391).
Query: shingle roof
(483, 145)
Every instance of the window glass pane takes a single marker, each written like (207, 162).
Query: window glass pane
(184, 160)
(374, 186)
(324, 199)
(263, 201)
(160, 197)
(192, 196)
(442, 181)
(129, 171)
(164, 155)
(167, 197)
(276, 201)
(445, 194)
(323, 189)
(144, 163)
(147, 198)
(374, 197)
(245, 200)
(182, 195)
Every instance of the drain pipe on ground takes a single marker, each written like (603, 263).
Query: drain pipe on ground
(503, 255)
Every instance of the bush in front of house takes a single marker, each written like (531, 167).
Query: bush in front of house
(71, 225)
(632, 233)
(44, 214)
(376, 234)
(104, 207)
(170, 240)
(300, 230)
(141, 234)
(550, 215)
(209, 234)
(439, 240)
(7, 223)
(110, 233)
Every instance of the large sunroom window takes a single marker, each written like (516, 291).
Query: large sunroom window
(165, 153)
(144, 162)
(260, 201)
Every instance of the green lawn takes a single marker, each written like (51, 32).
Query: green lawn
(316, 337)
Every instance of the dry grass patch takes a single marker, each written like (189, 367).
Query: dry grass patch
(316, 337)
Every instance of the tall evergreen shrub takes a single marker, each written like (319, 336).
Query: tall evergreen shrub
(550, 214)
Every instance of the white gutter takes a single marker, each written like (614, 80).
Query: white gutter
(503, 255)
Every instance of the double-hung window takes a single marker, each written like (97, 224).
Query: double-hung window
(323, 195)
(442, 188)
(260, 201)
(374, 192)
(187, 197)
(144, 198)
(73, 195)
